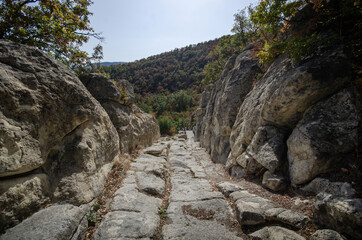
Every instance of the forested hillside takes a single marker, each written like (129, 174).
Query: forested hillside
(171, 71)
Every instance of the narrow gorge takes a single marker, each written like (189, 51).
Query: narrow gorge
(274, 153)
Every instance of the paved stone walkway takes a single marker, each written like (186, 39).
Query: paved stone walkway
(173, 191)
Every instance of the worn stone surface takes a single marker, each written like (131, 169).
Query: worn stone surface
(134, 213)
(150, 183)
(286, 216)
(339, 213)
(326, 234)
(249, 164)
(55, 222)
(274, 182)
(275, 233)
(338, 189)
(135, 128)
(227, 188)
(49, 123)
(224, 100)
(155, 150)
(250, 208)
(268, 147)
(123, 225)
(129, 199)
(196, 209)
(327, 129)
(28, 195)
(285, 92)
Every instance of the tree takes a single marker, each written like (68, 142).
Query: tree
(242, 26)
(59, 27)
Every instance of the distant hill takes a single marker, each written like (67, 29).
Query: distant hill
(112, 63)
(175, 70)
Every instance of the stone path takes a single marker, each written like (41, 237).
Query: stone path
(173, 191)
(200, 204)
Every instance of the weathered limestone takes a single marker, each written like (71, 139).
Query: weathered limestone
(250, 208)
(224, 100)
(339, 213)
(50, 125)
(327, 129)
(135, 128)
(55, 222)
(337, 189)
(134, 213)
(196, 210)
(275, 233)
(325, 234)
(283, 94)
(286, 216)
(274, 182)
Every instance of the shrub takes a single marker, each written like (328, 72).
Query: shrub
(167, 126)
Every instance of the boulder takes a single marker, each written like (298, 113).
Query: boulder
(135, 128)
(224, 100)
(338, 189)
(49, 124)
(326, 234)
(249, 164)
(268, 147)
(227, 188)
(22, 197)
(339, 213)
(289, 217)
(285, 92)
(275, 233)
(274, 182)
(56, 222)
(327, 130)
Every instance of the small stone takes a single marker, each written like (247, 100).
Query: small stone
(326, 234)
(275, 233)
(237, 172)
(273, 181)
(319, 185)
(227, 188)
(149, 183)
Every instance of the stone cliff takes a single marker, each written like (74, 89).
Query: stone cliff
(135, 128)
(297, 122)
(57, 142)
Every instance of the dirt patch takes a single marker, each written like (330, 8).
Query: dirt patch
(199, 213)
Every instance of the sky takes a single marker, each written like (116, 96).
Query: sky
(136, 29)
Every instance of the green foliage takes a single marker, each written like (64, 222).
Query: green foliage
(225, 48)
(179, 69)
(167, 126)
(288, 26)
(58, 27)
(173, 111)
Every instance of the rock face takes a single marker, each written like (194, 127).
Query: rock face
(328, 129)
(135, 128)
(284, 93)
(224, 100)
(339, 213)
(297, 122)
(56, 141)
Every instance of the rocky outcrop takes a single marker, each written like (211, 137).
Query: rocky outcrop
(328, 129)
(224, 100)
(298, 122)
(57, 143)
(339, 213)
(135, 128)
(284, 93)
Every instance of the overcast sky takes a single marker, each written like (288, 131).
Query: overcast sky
(135, 29)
